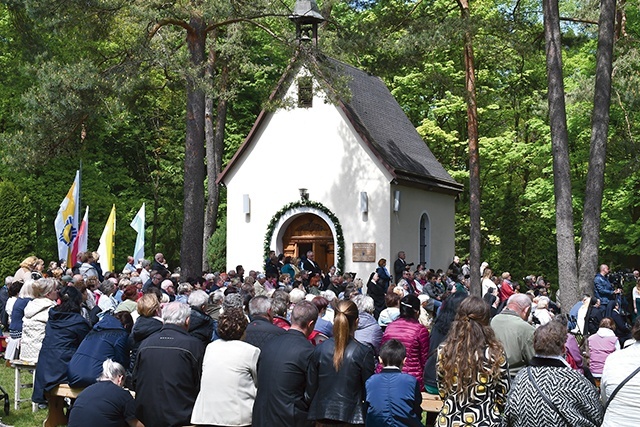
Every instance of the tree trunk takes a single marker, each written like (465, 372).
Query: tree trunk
(567, 267)
(475, 237)
(215, 149)
(193, 225)
(598, 151)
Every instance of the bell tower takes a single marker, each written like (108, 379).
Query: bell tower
(306, 16)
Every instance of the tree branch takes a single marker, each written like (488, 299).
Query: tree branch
(266, 30)
(582, 21)
(168, 21)
(242, 19)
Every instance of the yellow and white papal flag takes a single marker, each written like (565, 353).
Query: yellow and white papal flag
(107, 242)
(66, 222)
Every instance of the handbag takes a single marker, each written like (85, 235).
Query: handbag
(546, 398)
(617, 389)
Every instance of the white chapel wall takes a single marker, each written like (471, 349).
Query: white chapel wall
(405, 226)
(317, 149)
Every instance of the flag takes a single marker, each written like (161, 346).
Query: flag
(80, 244)
(66, 222)
(107, 242)
(138, 225)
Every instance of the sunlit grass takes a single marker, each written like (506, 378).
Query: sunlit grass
(23, 417)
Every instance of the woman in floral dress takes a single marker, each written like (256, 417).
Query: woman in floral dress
(473, 374)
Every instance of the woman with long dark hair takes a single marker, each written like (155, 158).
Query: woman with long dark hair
(439, 331)
(413, 335)
(339, 369)
(473, 374)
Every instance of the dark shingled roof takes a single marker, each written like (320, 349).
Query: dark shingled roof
(379, 119)
(384, 127)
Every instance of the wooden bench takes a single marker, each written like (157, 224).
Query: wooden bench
(20, 366)
(55, 398)
(56, 416)
(431, 402)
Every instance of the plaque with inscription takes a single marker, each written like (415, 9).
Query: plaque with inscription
(364, 252)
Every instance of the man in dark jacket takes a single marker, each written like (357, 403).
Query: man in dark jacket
(261, 330)
(310, 265)
(160, 265)
(168, 370)
(282, 373)
(200, 323)
(399, 266)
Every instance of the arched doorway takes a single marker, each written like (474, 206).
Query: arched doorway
(309, 232)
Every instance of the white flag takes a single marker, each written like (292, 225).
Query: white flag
(66, 223)
(138, 225)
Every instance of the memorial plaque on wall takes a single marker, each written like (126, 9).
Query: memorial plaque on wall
(364, 252)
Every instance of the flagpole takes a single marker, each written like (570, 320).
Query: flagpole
(83, 135)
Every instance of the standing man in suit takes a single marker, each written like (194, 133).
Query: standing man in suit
(282, 373)
(310, 265)
(400, 266)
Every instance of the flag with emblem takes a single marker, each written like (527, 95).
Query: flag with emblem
(66, 223)
(107, 242)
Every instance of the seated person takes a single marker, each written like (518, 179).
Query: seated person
(107, 340)
(105, 403)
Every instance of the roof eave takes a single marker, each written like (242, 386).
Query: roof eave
(428, 183)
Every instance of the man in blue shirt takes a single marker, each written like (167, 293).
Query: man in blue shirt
(603, 289)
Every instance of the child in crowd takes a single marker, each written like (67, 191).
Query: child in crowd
(393, 398)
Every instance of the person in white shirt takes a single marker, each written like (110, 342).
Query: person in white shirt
(624, 408)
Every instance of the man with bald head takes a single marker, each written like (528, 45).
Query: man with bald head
(602, 287)
(514, 332)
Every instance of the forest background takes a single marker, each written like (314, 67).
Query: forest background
(84, 81)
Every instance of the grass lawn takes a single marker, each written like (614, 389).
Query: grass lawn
(22, 417)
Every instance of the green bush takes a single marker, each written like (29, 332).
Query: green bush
(217, 248)
(14, 228)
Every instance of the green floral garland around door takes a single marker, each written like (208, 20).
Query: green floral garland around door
(308, 204)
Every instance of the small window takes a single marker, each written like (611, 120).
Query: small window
(305, 92)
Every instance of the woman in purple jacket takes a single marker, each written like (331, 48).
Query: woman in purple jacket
(412, 334)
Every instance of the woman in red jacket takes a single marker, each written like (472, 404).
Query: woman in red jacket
(412, 334)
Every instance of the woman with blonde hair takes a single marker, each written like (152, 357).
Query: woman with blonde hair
(472, 369)
(36, 316)
(339, 369)
(487, 283)
(27, 294)
(26, 267)
(147, 322)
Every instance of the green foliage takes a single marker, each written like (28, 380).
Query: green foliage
(14, 233)
(217, 248)
(65, 65)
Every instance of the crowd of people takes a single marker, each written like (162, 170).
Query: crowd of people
(293, 345)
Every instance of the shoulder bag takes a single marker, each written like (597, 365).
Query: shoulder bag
(546, 398)
(617, 389)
